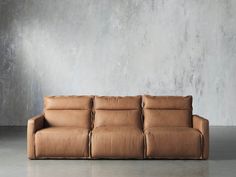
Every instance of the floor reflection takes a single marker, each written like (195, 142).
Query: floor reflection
(118, 168)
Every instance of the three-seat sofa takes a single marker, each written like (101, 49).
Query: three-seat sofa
(131, 127)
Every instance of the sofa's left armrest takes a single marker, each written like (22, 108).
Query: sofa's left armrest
(34, 124)
(202, 125)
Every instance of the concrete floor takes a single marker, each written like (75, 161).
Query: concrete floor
(14, 163)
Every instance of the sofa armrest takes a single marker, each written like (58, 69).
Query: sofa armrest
(34, 124)
(202, 125)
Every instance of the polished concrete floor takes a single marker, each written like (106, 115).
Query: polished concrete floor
(14, 163)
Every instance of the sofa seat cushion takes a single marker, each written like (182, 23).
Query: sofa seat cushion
(117, 142)
(173, 143)
(62, 142)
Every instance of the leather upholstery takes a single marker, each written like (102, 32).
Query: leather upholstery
(159, 118)
(34, 124)
(118, 118)
(117, 142)
(67, 102)
(117, 103)
(173, 142)
(62, 142)
(68, 111)
(59, 118)
(167, 111)
(202, 125)
(117, 124)
(117, 111)
(167, 102)
(168, 130)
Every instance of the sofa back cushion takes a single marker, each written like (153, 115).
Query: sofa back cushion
(165, 111)
(117, 111)
(68, 111)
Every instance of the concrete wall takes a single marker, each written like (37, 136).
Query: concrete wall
(117, 47)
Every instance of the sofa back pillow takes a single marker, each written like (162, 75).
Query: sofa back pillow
(68, 111)
(165, 111)
(117, 111)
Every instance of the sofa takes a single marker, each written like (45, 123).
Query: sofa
(113, 127)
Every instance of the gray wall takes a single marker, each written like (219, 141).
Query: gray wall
(115, 47)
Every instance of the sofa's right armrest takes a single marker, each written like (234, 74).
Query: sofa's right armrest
(34, 124)
(202, 125)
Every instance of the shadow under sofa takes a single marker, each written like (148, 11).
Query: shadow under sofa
(113, 127)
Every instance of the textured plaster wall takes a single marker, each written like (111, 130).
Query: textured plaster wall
(118, 47)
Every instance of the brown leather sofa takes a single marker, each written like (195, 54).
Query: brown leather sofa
(131, 127)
